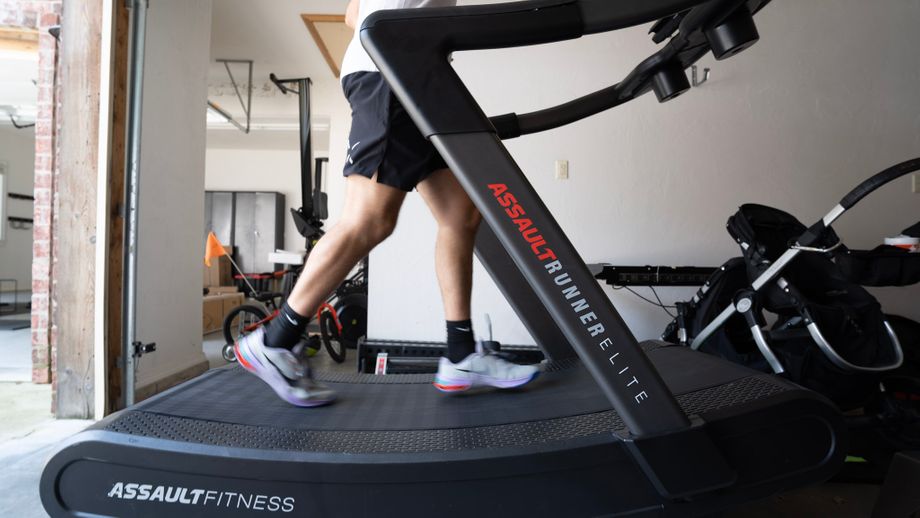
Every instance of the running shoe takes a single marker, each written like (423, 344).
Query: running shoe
(285, 372)
(482, 369)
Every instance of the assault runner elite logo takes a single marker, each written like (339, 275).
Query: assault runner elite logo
(525, 225)
(567, 287)
(201, 497)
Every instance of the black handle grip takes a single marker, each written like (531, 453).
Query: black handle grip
(506, 126)
(892, 173)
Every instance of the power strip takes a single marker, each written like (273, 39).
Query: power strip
(655, 275)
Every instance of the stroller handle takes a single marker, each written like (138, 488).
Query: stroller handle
(892, 173)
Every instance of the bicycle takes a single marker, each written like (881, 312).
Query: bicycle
(343, 317)
(347, 304)
(246, 318)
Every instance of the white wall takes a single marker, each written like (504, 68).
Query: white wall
(824, 100)
(172, 186)
(17, 149)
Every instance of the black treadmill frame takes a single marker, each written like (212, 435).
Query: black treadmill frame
(723, 456)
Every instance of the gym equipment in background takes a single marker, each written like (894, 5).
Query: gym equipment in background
(828, 325)
(343, 318)
(314, 210)
(830, 334)
(249, 223)
(618, 428)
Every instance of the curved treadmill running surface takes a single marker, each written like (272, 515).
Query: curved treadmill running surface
(224, 445)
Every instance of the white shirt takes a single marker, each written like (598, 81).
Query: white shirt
(356, 58)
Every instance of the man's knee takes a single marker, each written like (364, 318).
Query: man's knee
(369, 228)
(381, 227)
(464, 221)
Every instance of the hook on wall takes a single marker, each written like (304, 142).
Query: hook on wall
(694, 72)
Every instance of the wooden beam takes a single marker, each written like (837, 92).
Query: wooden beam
(115, 256)
(310, 20)
(74, 250)
(18, 39)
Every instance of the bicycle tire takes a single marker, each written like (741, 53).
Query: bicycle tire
(329, 332)
(351, 310)
(250, 315)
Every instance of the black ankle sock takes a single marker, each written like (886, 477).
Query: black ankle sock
(286, 329)
(460, 342)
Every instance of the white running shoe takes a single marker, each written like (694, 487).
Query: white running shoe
(482, 370)
(286, 373)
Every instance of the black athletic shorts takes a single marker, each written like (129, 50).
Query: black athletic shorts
(383, 138)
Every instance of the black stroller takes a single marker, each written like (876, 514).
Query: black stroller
(829, 333)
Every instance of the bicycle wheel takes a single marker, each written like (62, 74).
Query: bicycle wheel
(239, 322)
(329, 331)
(352, 314)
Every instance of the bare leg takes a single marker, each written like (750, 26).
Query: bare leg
(458, 220)
(369, 217)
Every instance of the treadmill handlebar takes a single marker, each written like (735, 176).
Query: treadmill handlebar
(437, 32)
(603, 15)
(607, 15)
(595, 16)
(418, 69)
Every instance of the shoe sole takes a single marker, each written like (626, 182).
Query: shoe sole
(273, 378)
(452, 386)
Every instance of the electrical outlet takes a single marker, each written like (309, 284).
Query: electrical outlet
(562, 169)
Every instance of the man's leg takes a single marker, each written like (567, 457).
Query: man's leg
(369, 216)
(458, 220)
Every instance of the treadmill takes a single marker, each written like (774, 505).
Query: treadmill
(612, 428)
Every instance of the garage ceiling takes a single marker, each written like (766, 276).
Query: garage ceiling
(277, 37)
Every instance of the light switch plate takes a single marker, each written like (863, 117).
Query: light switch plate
(562, 169)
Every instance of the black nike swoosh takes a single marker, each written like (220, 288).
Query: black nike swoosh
(283, 375)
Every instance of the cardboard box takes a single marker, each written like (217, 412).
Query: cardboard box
(215, 309)
(230, 301)
(220, 273)
(212, 315)
(222, 290)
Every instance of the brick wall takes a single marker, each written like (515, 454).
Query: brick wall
(41, 15)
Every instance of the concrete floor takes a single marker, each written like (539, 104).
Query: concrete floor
(15, 351)
(28, 431)
(23, 458)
